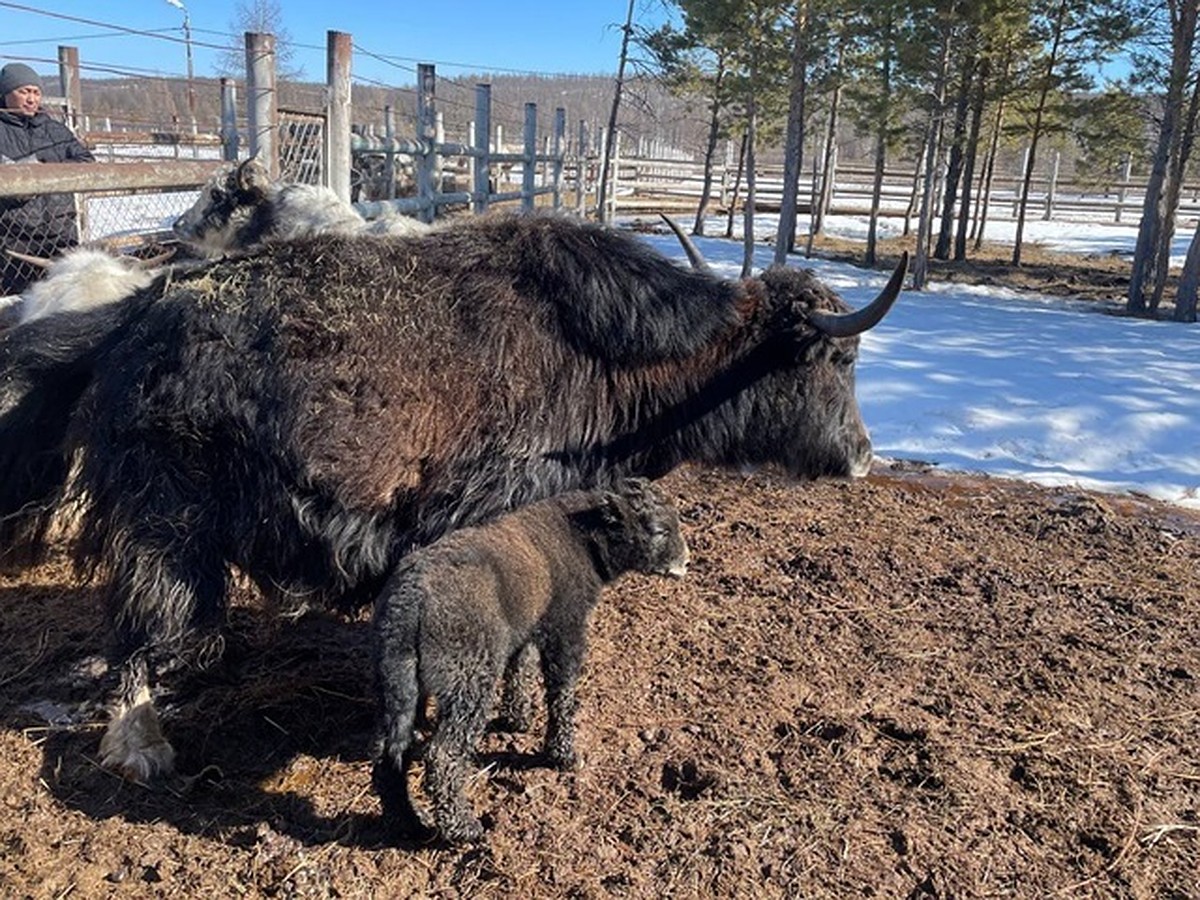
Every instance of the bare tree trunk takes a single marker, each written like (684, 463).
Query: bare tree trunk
(610, 135)
(911, 209)
(881, 135)
(710, 150)
(954, 170)
(1181, 149)
(793, 151)
(968, 178)
(989, 171)
(737, 187)
(829, 157)
(1189, 281)
(933, 140)
(748, 211)
(1031, 159)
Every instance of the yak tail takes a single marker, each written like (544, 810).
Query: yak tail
(397, 632)
(46, 366)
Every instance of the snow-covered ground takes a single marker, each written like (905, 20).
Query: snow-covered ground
(1037, 388)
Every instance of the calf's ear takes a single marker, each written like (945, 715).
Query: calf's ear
(612, 509)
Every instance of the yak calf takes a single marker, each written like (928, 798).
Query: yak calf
(456, 614)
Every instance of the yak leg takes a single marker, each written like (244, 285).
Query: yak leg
(562, 645)
(165, 615)
(134, 744)
(449, 758)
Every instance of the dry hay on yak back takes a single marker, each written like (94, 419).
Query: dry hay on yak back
(310, 411)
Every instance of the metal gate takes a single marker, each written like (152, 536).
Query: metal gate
(301, 146)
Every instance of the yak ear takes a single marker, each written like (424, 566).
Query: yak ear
(612, 508)
(252, 176)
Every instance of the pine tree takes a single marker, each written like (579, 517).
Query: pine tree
(1075, 34)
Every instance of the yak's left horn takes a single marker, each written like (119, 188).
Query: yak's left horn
(852, 323)
(694, 256)
(40, 261)
(155, 261)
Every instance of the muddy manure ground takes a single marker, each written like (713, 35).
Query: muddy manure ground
(911, 686)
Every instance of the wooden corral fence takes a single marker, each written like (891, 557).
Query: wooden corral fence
(311, 146)
(424, 175)
(649, 183)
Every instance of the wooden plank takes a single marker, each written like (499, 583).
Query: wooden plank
(24, 179)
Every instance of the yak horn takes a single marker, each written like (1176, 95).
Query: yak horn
(693, 255)
(852, 323)
(156, 261)
(40, 261)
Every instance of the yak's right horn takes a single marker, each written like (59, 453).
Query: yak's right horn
(852, 323)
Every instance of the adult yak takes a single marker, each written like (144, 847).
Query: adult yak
(310, 411)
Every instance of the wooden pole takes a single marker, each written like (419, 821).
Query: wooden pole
(483, 132)
(262, 100)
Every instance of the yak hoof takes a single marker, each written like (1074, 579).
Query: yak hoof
(563, 760)
(463, 830)
(135, 747)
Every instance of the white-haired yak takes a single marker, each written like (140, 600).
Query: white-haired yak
(314, 409)
(240, 207)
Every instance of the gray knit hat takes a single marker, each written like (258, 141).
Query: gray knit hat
(17, 75)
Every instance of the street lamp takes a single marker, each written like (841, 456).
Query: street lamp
(187, 40)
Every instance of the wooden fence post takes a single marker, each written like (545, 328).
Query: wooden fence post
(529, 162)
(339, 51)
(1016, 207)
(68, 74)
(1053, 186)
(426, 136)
(229, 132)
(1126, 172)
(389, 133)
(439, 162)
(483, 131)
(581, 167)
(262, 100)
(613, 178)
(560, 152)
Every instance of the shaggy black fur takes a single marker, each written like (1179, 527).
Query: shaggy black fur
(45, 366)
(456, 614)
(312, 410)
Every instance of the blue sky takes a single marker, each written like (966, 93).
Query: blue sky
(461, 37)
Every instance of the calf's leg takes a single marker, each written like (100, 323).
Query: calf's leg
(562, 648)
(449, 757)
(397, 627)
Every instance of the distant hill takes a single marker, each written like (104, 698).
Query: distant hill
(648, 111)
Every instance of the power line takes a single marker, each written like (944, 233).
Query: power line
(66, 37)
(20, 7)
(404, 63)
(472, 67)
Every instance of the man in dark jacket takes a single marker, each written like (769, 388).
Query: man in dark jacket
(43, 224)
